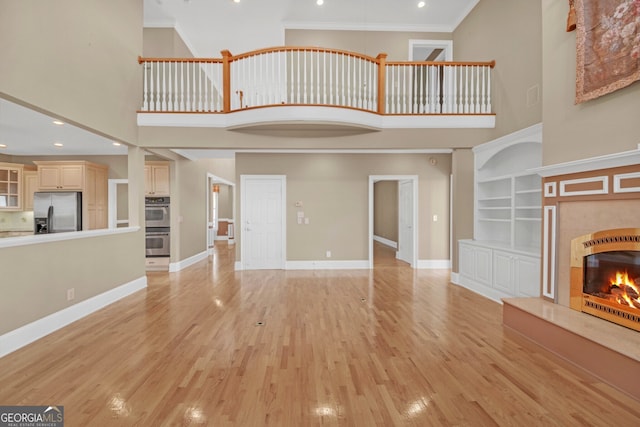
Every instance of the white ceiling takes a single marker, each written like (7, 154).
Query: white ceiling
(209, 26)
(26, 132)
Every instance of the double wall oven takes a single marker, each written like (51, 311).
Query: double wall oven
(157, 223)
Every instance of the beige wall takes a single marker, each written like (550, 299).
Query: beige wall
(334, 190)
(385, 210)
(76, 60)
(225, 201)
(394, 43)
(164, 43)
(188, 200)
(605, 125)
(35, 278)
(462, 163)
(509, 32)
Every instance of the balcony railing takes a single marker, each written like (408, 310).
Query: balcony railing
(296, 76)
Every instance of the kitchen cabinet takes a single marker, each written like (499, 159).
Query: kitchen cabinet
(156, 179)
(30, 186)
(60, 176)
(11, 186)
(79, 175)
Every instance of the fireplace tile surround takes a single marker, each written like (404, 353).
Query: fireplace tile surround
(580, 198)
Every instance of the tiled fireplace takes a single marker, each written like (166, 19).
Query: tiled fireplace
(589, 309)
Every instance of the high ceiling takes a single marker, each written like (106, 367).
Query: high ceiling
(209, 26)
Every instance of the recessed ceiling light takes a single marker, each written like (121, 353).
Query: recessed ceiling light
(3, 145)
(58, 144)
(319, 2)
(58, 122)
(236, 1)
(421, 4)
(117, 144)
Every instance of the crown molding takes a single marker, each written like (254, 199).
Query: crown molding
(369, 26)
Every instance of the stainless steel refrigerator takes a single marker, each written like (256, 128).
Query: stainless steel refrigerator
(57, 212)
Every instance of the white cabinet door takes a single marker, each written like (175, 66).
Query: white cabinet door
(467, 261)
(483, 265)
(527, 275)
(503, 277)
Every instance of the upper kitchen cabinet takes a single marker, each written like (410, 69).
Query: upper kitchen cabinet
(78, 175)
(60, 175)
(11, 186)
(156, 178)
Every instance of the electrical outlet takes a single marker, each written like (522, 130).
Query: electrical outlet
(71, 294)
(328, 254)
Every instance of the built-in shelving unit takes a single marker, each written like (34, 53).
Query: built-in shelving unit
(503, 258)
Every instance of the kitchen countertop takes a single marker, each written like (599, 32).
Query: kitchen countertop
(15, 233)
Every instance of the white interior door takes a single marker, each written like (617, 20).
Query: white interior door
(263, 202)
(405, 221)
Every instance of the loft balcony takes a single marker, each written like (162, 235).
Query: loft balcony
(314, 85)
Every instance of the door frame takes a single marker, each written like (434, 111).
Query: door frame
(213, 179)
(414, 220)
(283, 210)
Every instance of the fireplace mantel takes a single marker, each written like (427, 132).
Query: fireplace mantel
(625, 158)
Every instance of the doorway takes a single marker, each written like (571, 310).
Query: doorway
(407, 216)
(221, 195)
(262, 222)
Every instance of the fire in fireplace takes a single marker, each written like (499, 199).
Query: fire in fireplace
(605, 275)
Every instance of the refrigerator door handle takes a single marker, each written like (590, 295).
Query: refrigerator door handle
(50, 219)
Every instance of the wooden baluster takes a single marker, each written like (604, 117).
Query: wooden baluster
(154, 94)
(163, 93)
(331, 72)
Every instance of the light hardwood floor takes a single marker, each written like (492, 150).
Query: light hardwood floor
(388, 347)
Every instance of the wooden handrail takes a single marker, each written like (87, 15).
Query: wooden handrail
(205, 60)
(491, 64)
(306, 49)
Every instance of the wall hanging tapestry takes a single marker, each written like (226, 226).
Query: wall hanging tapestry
(608, 46)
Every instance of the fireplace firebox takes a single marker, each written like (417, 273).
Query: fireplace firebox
(605, 275)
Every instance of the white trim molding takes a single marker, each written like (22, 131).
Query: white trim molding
(24, 335)
(386, 242)
(617, 181)
(549, 253)
(603, 180)
(180, 265)
(327, 265)
(455, 278)
(550, 189)
(626, 158)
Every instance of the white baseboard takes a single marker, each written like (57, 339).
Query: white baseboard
(18, 338)
(455, 278)
(221, 238)
(177, 266)
(386, 242)
(434, 264)
(318, 265)
(327, 265)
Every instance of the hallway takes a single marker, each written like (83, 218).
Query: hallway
(392, 346)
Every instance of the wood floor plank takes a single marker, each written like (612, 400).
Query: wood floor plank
(391, 346)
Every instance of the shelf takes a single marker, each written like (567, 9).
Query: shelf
(486, 199)
(498, 208)
(528, 207)
(494, 220)
(494, 179)
(539, 191)
(529, 219)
